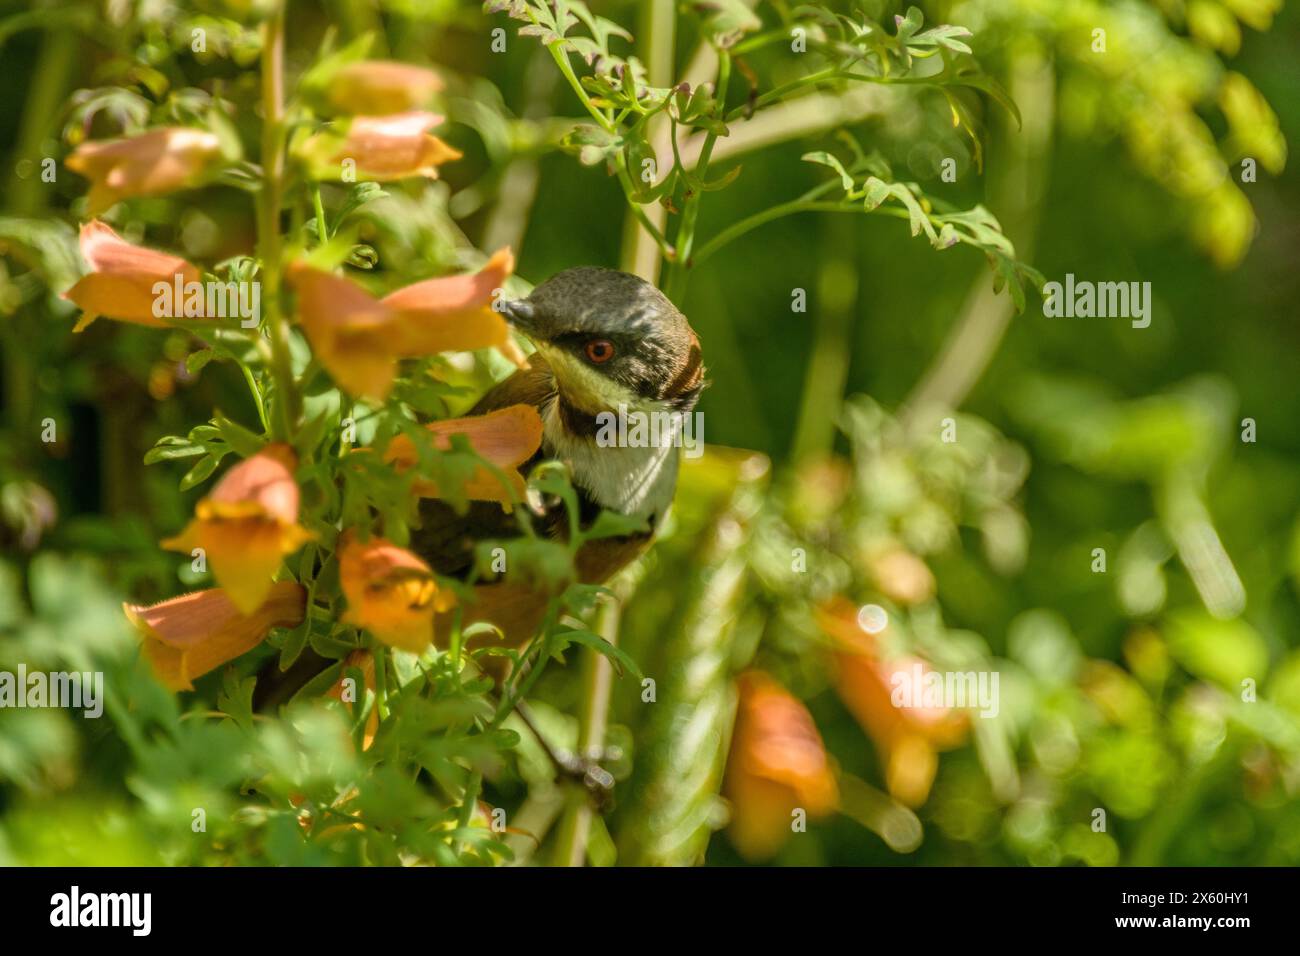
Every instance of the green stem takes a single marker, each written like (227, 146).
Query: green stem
(270, 242)
(509, 698)
(597, 683)
(676, 284)
(257, 397)
(823, 76)
(828, 366)
(738, 229)
(562, 61)
(625, 180)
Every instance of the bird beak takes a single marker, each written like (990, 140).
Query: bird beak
(521, 315)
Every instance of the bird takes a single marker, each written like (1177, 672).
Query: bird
(608, 343)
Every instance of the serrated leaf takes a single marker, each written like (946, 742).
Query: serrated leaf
(236, 698)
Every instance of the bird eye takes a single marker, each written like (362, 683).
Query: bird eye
(600, 351)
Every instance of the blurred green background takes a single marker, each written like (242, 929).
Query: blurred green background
(1121, 690)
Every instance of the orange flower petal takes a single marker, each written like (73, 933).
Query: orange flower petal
(507, 438)
(777, 764)
(154, 163)
(395, 147)
(381, 87)
(391, 592)
(188, 636)
(247, 525)
(454, 313)
(264, 480)
(359, 338)
(350, 330)
(866, 684)
(122, 277)
(910, 769)
(244, 556)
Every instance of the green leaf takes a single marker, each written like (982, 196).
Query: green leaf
(877, 192)
(823, 158)
(195, 361)
(987, 84)
(909, 24)
(201, 471)
(360, 194)
(294, 642)
(617, 656)
(171, 447)
(236, 698)
(321, 683)
(245, 443)
(722, 182)
(726, 21)
(591, 144)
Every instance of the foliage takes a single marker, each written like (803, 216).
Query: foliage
(1122, 689)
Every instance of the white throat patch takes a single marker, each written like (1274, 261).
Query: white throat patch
(634, 481)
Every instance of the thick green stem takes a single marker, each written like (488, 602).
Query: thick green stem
(644, 228)
(833, 309)
(288, 402)
(597, 677)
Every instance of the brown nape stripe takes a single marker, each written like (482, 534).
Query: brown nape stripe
(576, 422)
(691, 377)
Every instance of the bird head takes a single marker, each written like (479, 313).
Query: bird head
(611, 339)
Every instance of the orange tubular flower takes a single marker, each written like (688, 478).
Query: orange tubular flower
(121, 279)
(777, 765)
(350, 330)
(360, 338)
(455, 314)
(188, 636)
(908, 738)
(507, 438)
(381, 148)
(390, 592)
(247, 525)
(381, 87)
(151, 164)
